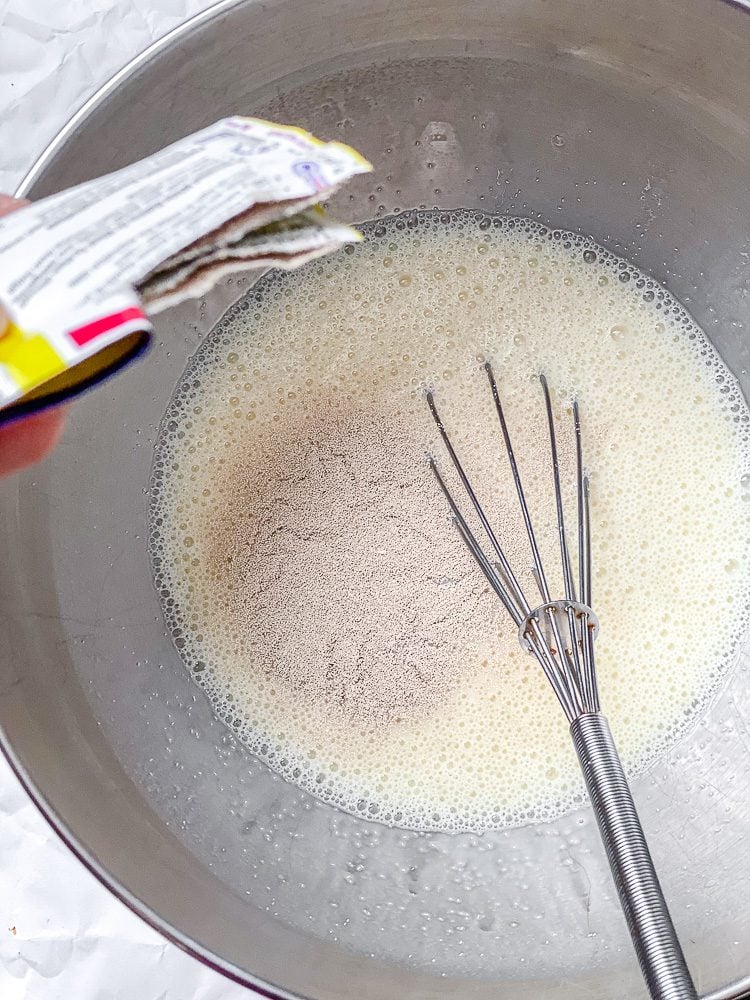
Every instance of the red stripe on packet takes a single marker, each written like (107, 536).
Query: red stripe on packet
(90, 331)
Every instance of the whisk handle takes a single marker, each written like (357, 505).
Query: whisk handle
(654, 938)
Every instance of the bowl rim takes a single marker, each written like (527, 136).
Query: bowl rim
(737, 990)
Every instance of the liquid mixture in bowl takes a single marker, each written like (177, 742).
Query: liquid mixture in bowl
(311, 578)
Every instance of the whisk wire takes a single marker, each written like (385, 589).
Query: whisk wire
(537, 569)
(575, 627)
(515, 588)
(584, 565)
(584, 562)
(475, 548)
(588, 645)
(546, 658)
(570, 592)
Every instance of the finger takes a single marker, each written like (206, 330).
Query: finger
(9, 204)
(30, 440)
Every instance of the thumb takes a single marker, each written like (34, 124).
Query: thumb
(9, 204)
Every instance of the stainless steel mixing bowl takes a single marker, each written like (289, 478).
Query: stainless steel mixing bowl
(627, 121)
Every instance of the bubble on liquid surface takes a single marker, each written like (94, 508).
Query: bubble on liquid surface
(310, 576)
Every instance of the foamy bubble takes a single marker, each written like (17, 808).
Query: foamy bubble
(309, 574)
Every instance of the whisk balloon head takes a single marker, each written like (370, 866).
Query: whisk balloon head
(559, 630)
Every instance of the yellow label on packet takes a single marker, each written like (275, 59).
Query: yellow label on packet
(28, 358)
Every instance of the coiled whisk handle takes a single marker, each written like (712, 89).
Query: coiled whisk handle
(654, 938)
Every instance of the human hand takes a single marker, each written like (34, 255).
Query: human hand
(31, 438)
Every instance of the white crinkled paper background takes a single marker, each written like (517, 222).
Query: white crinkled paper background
(62, 935)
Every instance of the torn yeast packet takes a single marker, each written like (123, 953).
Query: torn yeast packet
(81, 271)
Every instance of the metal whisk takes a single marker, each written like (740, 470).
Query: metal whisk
(560, 633)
